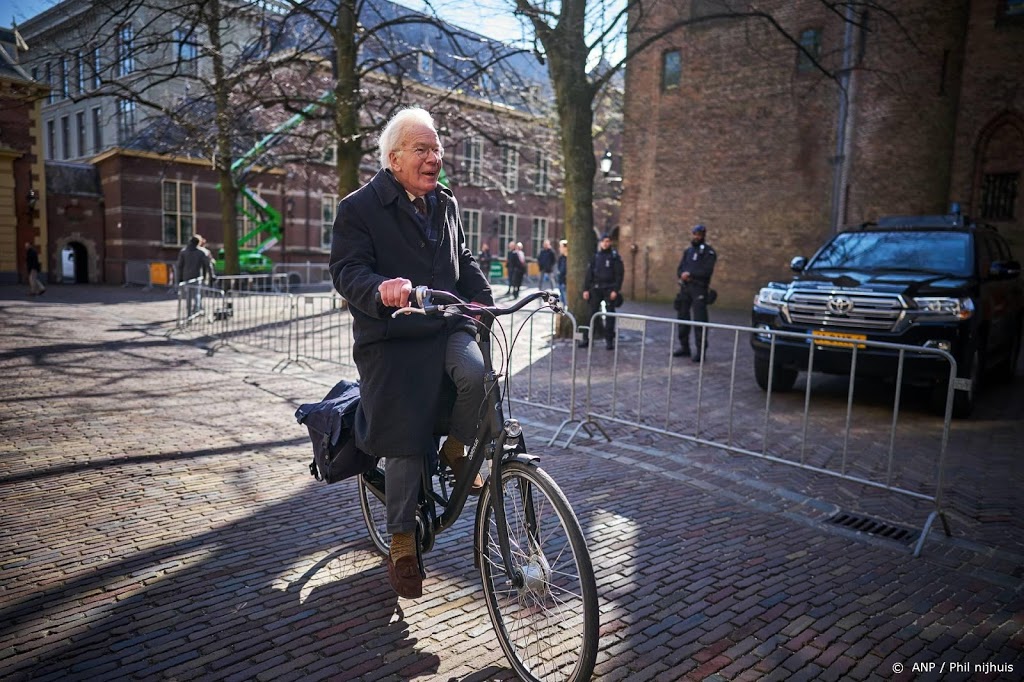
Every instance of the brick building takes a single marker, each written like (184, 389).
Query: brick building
(732, 124)
(22, 186)
(122, 197)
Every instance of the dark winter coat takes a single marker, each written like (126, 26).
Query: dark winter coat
(606, 271)
(32, 260)
(546, 260)
(193, 262)
(699, 261)
(400, 361)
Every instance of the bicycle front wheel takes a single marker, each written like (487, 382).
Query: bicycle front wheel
(546, 614)
(371, 501)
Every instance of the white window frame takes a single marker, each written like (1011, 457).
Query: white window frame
(80, 132)
(328, 212)
(472, 159)
(538, 233)
(97, 129)
(182, 215)
(506, 232)
(542, 185)
(125, 50)
(126, 121)
(97, 67)
(65, 137)
(425, 62)
(186, 51)
(510, 167)
(471, 226)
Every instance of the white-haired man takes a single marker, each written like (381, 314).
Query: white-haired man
(401, 230)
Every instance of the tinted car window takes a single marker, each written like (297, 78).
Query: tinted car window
(946, 252)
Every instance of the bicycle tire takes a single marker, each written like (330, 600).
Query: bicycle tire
(374, 512)
(548, 628)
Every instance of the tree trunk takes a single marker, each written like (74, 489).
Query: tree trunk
(222, 153)
(347, 100)
(574, 98)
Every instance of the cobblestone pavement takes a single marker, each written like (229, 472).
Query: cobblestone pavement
(159, 523)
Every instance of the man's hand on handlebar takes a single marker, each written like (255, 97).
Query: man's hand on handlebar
(394, 293)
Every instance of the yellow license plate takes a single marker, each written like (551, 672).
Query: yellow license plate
(838, 339)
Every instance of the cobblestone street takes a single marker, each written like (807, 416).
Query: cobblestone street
(159, 522)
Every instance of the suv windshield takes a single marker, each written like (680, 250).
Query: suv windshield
(916, 251)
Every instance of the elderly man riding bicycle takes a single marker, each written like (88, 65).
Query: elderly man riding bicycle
(400, 230)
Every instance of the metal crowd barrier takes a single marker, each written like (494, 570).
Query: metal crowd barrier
(640, 384)
(541, 369)
(650, 389)
(306, 276)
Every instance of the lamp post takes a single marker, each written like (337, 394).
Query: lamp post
(606, 167)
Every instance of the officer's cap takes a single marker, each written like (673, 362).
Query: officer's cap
(699, 228)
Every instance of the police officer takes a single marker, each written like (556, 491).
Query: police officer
(603, 283)
(694, 274)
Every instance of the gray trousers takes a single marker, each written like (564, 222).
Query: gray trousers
(464, 363)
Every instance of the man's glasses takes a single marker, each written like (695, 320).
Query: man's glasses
(423, 152)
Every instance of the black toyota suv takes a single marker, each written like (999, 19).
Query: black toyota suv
(940, 281)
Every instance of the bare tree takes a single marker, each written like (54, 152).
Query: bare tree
(572, 35)
(385, 56)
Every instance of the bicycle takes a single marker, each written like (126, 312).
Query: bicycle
(536, 571)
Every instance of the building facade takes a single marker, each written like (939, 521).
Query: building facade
(775, 139)
(144, 200)
(23, 214)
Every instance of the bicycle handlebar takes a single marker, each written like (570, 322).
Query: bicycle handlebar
(426, 301)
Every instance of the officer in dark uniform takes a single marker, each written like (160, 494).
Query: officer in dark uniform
(603, 283)
(694, 274)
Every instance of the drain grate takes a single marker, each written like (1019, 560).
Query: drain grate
(866, 524)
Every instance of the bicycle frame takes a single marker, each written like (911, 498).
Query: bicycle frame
(496, 439)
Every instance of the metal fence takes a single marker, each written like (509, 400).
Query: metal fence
(306, 276)
(639, 385)
(715, 403)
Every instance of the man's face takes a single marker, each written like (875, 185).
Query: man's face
(696, 238)
(606, 244)
(417, 163)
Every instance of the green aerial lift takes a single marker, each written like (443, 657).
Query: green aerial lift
(267, 219)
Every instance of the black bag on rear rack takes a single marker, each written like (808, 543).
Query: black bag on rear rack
(331, 425)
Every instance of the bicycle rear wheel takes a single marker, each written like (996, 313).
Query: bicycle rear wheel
(548, 626)
(372, 504)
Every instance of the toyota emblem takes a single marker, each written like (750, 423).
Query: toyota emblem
(839, 305)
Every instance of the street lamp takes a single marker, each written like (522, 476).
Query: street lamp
(33, 199)
(606, 167)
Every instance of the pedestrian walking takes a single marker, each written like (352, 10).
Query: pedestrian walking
(484, 259)
(691, 304)
(34, 268)
(546, 260)
(193, 270)
(603, 283)
(561, 267)
(516, 268)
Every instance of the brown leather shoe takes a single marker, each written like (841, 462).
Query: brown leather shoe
(405, 577)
